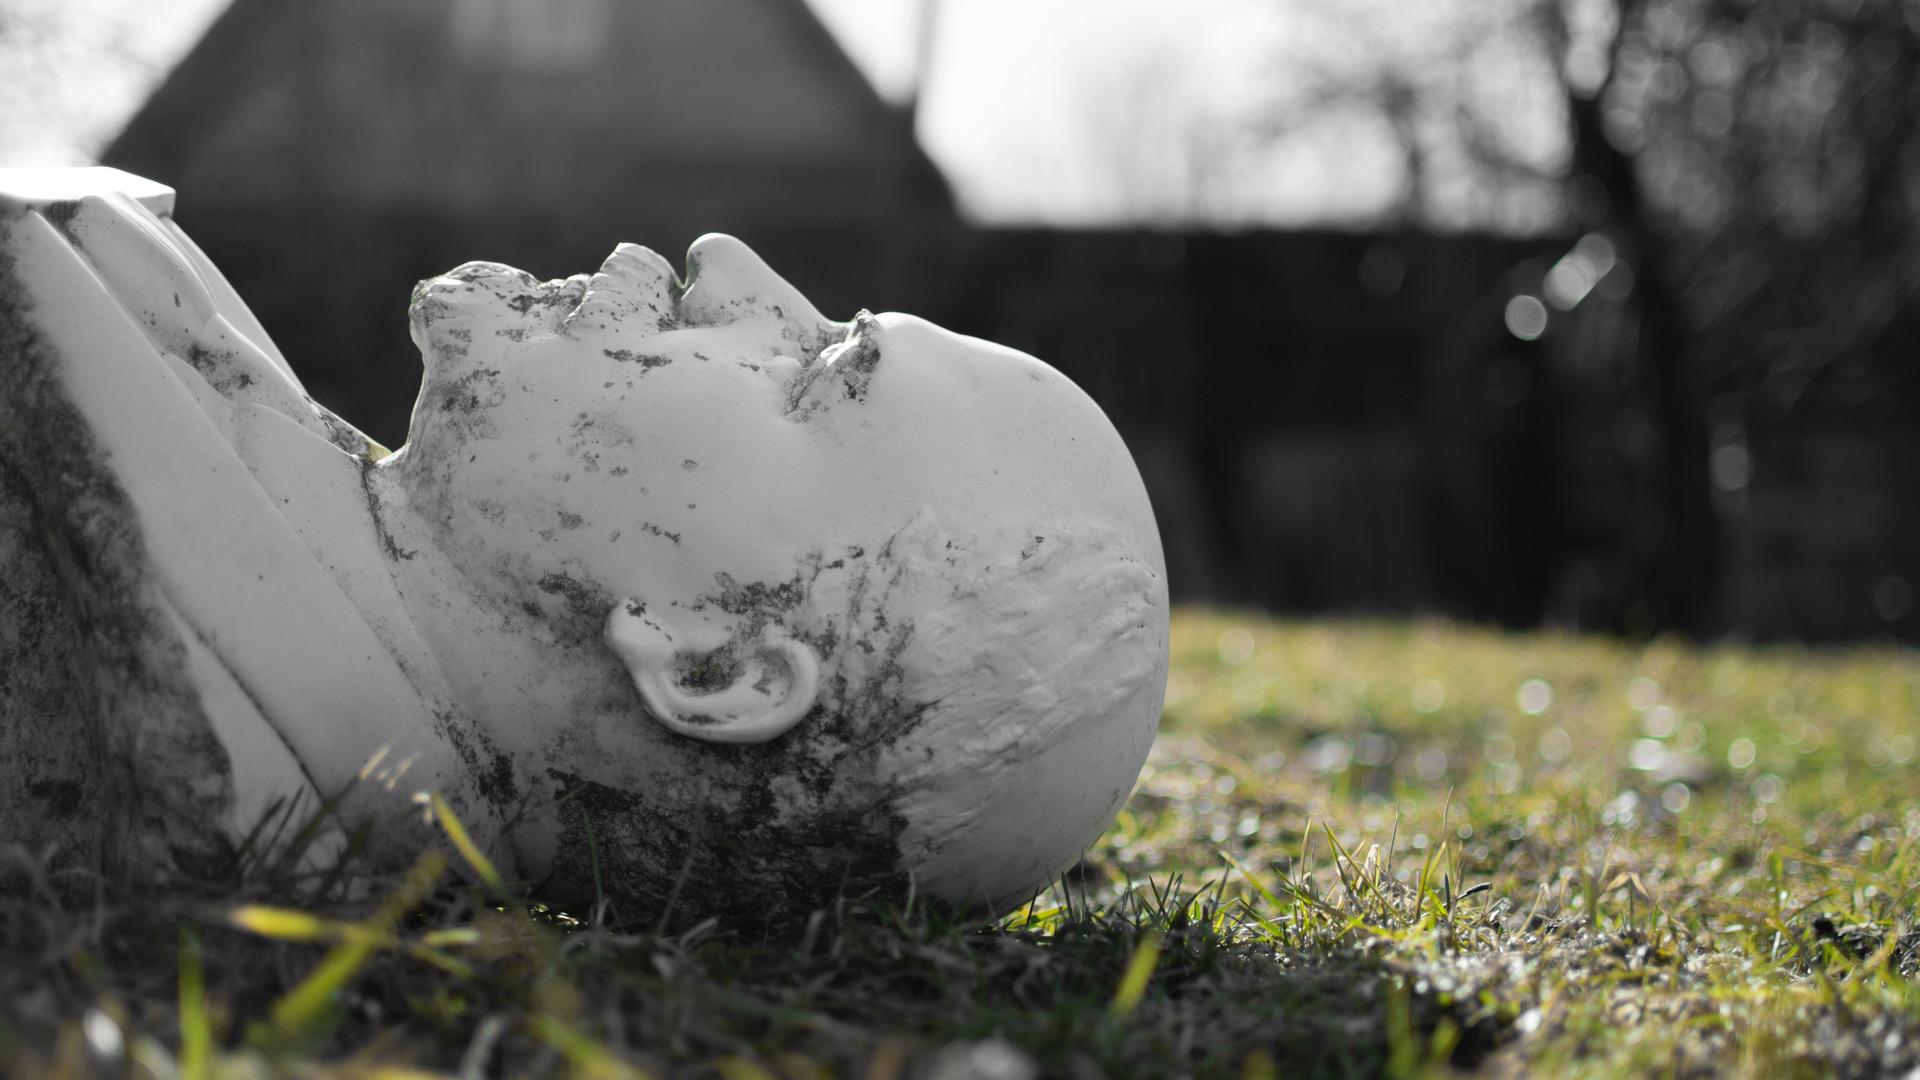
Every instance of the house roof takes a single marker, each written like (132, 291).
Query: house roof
(373, 93)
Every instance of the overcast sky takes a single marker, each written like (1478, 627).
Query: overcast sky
(1038, 110)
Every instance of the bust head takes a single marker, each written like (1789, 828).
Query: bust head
(677, 585)
(837, 604)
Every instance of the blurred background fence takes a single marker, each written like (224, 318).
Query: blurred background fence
(1592, 312)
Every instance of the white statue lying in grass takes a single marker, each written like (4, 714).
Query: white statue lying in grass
(684, 582)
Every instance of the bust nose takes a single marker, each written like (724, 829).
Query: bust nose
(727, 282)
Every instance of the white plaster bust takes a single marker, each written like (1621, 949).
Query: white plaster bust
(679, 577)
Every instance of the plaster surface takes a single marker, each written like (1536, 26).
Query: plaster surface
(675, 575)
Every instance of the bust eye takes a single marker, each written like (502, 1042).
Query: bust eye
(842, 372)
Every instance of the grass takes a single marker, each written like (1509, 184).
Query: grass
(1359, 848)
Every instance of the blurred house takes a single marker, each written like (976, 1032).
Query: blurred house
(331, 154)
(1391, 421)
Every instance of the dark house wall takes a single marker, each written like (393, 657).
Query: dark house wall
(1326, 421)
(1824, 540)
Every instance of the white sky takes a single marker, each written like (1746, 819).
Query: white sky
(1038, 110)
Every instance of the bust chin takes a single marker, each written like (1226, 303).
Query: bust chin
(678, 579)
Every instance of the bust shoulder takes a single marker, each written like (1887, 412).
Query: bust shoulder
(183, 516)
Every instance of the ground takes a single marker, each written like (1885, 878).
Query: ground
(1396, 848)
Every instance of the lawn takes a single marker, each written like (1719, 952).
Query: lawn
(1394, 848)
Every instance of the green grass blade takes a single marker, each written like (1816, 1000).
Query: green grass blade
(587, 1058)
(1133, 984)
(196, 1030)
(463, 843)
(305, 1013)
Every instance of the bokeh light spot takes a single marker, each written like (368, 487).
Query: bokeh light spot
(1235, 647)
(1741, 752)
(1535, 696)
(1676, 797)
(1892, 598)
(1732, 467)
(1526, 317)
(1648, 755)
(1643, 693)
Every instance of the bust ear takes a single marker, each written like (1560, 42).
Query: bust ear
(700, 678)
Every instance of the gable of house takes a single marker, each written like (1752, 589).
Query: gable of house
(509, 105)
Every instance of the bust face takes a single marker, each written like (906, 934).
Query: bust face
(833, 604)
